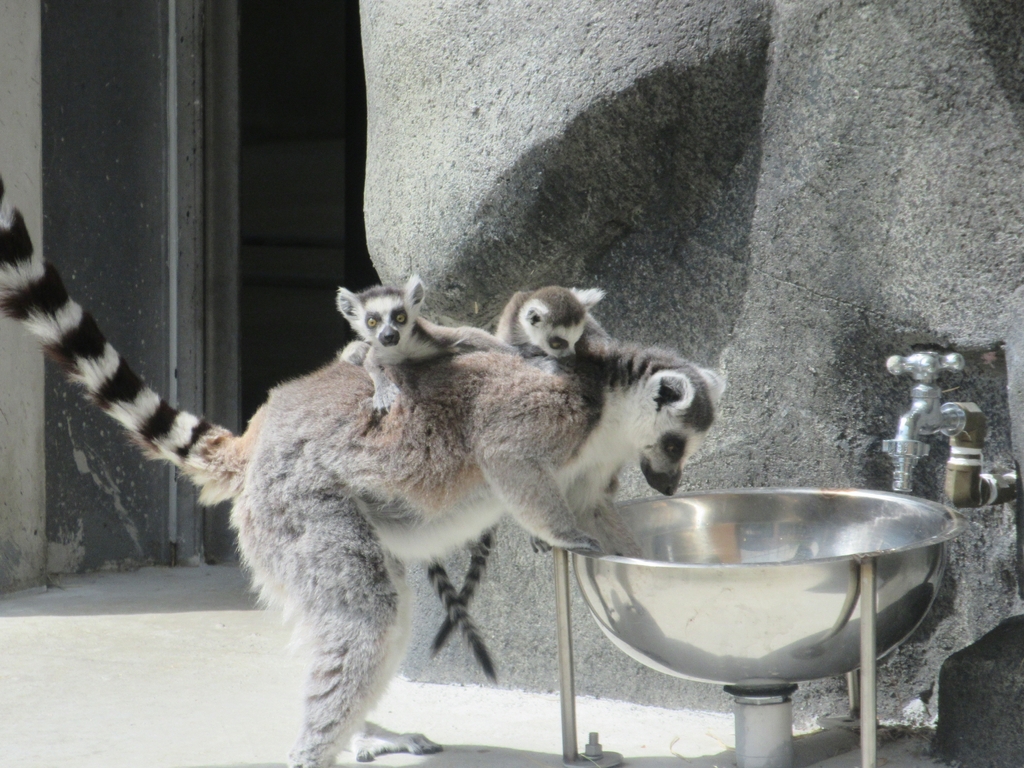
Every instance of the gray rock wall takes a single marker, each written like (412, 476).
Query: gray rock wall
(980, 713)
(788, 191)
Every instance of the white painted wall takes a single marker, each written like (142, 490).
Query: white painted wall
(22, 475)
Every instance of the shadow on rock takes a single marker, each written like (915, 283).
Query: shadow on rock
(653, 156)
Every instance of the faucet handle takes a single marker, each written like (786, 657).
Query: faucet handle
(925, 366)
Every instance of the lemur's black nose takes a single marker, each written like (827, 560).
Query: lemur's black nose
(664, 482)
(389, 337)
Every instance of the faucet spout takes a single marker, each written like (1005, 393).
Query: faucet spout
(923, 418)
(905, 455)
(909, 426)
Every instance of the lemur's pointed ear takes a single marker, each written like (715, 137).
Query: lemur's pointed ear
(414, 291)
(588, 297)
(348, 305)
(534, 311)
(672, 390)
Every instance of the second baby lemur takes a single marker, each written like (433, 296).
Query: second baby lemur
(550, 321)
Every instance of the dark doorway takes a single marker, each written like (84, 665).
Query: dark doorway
(303, 152)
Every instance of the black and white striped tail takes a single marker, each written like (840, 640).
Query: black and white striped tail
(32, 291)
(456, 604)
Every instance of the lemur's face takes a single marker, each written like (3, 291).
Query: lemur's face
(384, 317)
(555, 340)
(684, 408)
(386, 321)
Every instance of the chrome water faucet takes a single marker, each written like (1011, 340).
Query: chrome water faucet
(963, 423)
(926, 415)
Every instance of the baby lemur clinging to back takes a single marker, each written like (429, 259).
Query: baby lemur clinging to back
(547, 324)
(387, 320)
(550, 321)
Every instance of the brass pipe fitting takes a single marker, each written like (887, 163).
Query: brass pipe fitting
(963, 469)
(1002, 486)
(966, 485)
(964, 466)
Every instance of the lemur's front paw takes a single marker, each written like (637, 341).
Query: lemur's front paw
(539, 545)
(577, 541)
(383, 399)
(355, 352)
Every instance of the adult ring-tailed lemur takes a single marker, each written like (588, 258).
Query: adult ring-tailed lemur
(331, 499)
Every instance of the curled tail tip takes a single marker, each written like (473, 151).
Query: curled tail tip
(483, 658)
(15, 242)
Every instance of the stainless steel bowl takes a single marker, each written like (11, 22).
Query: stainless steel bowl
(760, 586)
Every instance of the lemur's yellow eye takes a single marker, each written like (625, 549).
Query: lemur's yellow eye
(400, 318)
(371, 323)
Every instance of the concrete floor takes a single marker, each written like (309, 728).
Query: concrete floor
(177, 668)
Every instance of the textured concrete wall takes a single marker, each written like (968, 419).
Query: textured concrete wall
(22, 468)
(788, 191)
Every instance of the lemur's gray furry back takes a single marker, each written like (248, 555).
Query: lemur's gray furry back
(332, 500)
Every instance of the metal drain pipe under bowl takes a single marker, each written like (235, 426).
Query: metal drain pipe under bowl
(759, 589)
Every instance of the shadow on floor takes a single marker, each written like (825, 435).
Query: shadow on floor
(147, 590)
(810, 750)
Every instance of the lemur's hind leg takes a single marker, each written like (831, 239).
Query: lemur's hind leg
(372, 740)
(353, 610)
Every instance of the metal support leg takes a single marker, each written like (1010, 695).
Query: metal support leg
(868, 657)
(853, 690)
(566, 684)
(594, 756)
